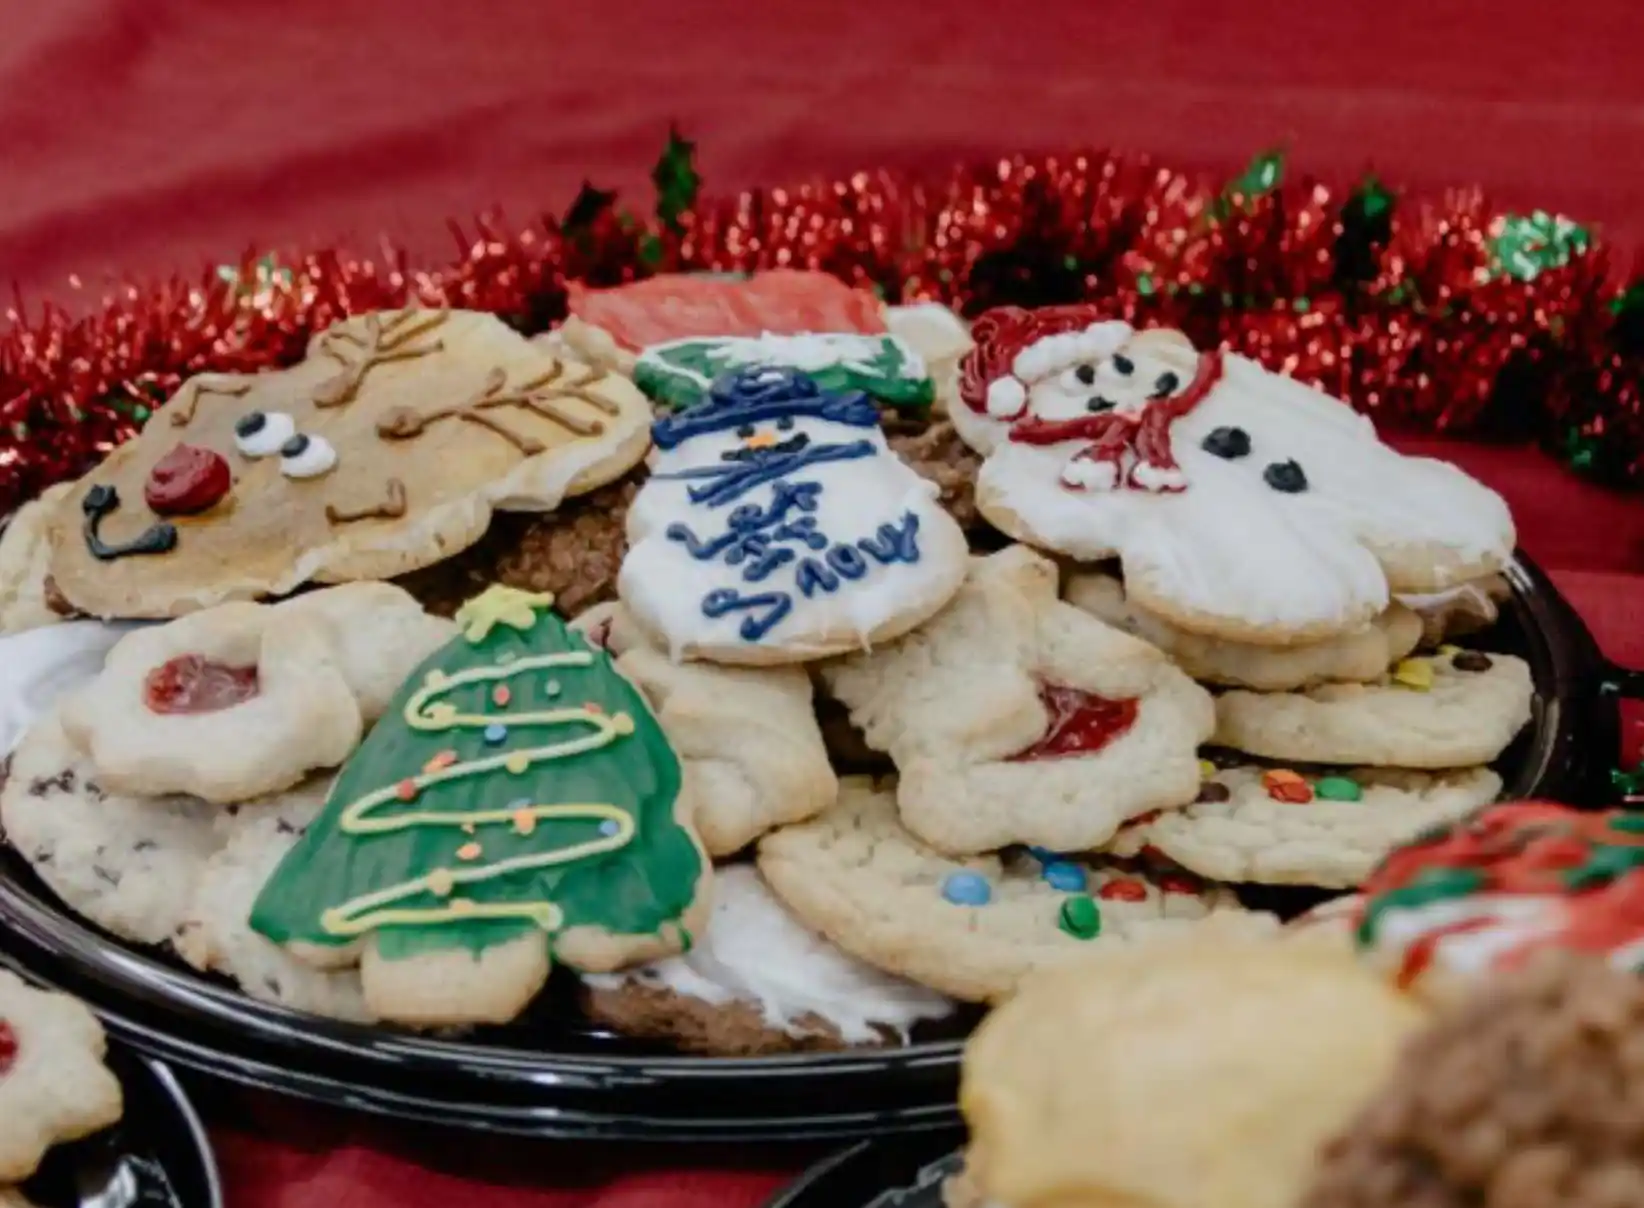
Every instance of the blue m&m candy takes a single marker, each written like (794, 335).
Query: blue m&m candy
(967, 889)
(1065, 875)
(495, 733)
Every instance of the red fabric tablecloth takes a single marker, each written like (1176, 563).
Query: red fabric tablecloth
(145, 135)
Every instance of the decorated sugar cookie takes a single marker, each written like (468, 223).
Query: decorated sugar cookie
(973, 928)
(1489, 892)
(1279, 826)
(1454, 709)
(1015, 718)
(748, 736)
(1241, 503)
(53, 1084)
(387, 449)
(759, 981)
(518, 804)
(777, 526)
(246, 699)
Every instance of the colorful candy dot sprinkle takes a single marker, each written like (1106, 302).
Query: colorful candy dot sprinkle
(1449, 648)
(496, 733)
(1123, 891)
(440, 882)
(525, 820)
(462, 906)
(500, 695)
(1284, 785)
(443, 760)
(967, 889)
(406, 790)
(1416, 674)
(593, 706)
(1177, 882)
(1080, 917)
(1065, 876)
(1206, 769)
(469, 851)
(517, 763)
(1337, 788)
(610, 827)
(552, 688)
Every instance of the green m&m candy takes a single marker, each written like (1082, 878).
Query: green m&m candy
(1337, 788)
(1080, 917)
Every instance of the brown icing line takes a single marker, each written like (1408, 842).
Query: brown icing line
(383, 344)
(391, 508)
(182, 413)
(538, 396)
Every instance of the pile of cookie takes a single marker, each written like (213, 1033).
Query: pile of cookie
(789, 666)
(54, 1087)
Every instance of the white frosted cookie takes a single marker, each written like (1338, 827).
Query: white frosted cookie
(1242, 504)
(215, 934)
(971, 929)
(1455, 709)
(1280, 827)
(758, 980)
(25, 557)
(53, 1084)
(748, 735)
(246, 699)
(1015, 718)
(778, 526)
(1364, 654)
(127, 864)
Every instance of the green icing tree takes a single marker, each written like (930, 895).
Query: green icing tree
(517, 783)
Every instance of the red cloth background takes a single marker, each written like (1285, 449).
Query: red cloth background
(138, 136)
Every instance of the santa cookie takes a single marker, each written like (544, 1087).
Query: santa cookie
(1364, 654)
(778, 527)
(1015, 718)
(246, 699)
(519, 801)
(387, 449)
(1278, 826)
(759, 981)
(53, 1084)
(1489, 893)
(1241, 503)
(973, 928)
(748, 736)
(1453, 709)
(25, 555)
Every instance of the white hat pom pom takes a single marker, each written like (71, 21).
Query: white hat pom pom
(1006, 397)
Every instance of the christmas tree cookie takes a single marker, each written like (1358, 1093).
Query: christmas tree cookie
(518, 804)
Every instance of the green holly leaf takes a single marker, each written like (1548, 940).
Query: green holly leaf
(676, 179)
(1373, 199)
(1262, 175)
(587, 208)
(1580, 449)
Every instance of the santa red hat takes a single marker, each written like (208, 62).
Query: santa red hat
(1016, 347)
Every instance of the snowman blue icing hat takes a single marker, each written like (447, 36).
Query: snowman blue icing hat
(759, 393)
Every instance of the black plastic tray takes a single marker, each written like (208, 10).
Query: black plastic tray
(554, 1075)
(158, 1156)
(900, 1173)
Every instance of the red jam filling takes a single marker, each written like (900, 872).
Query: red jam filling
(8, 1048)
(1081, 723)
(192, 683)
(186, 480)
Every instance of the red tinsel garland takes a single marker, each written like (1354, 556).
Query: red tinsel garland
(1411, 319)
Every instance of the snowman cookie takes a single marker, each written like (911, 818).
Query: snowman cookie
(387, 449)
(246, 699)
(973, 928)
(748, 736)
(1488, 893)
(1013, 717)
(759, 981)
(1364, 654)
(54, 1086)
(1278, 826)
(1241, 503)
(778, 527)
(1453, 709)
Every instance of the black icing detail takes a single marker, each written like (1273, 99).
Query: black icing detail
(745, 431)
(1124, 364)
(104, 501)
(1286, 476)
(295, 447)
(1086, 374)
(1166, 385)
(249, 424)
(1096, 404)
(785, 424)
(1228, 443)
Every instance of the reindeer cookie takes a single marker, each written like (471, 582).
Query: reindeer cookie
(1015, 718)
(386, 450)
(1241, 504)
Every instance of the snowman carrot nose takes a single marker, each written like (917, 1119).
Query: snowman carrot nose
(759, 440)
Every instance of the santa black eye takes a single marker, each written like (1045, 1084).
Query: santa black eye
(785, 423)
(1123, 364)
(745, 431)
(1166, 384)
(1086, 374)
(1096, 404)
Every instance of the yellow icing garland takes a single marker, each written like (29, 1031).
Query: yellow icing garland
(370, 911)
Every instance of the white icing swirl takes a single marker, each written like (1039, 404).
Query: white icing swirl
(45, 664)
(756, 952)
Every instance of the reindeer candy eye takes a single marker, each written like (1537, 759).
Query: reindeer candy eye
(263, 433)
(306, 456)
